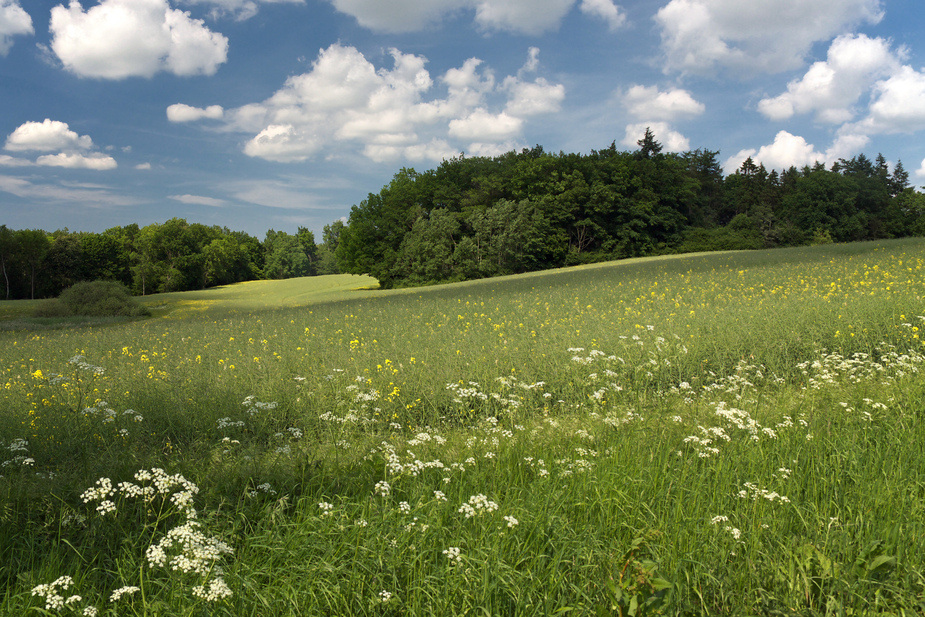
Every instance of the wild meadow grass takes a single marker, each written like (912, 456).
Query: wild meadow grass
(736, 433)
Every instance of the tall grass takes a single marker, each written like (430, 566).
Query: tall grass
(735, 433)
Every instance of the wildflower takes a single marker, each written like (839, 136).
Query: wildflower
(511, 521)
(384, 596)
(383, 488)
(326, 508)
(453, 554)
(216, 590)
(122, 591)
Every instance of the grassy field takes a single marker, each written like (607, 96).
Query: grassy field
(736, 433)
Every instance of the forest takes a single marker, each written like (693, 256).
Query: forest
(475, 217)
(532, 210)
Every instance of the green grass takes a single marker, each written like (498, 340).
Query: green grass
(737, 433)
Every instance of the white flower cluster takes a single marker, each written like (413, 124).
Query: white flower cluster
(123, 591)
(477, 504)
(20, 447)
(54, 601)
(262, 488)
(453, 554)
(80, 362)
(754, 491)
(327, 509)
(214, 591)
(252, 406)
(184, 548)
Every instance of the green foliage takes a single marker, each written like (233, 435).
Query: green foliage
(735, 434)
(100, 299)
(532, 210)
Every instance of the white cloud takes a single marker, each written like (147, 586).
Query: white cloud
(786, 151)
(700, 36)
(125, 38)
(482, 125)
(14, 21)
(92, 196)
(76, 160)
(185, 113)
(55, 136)
(789, 150)
(239, 9)
(671, 140)
(898, 104)
(276, 194)
(522, 16)
(832, 87)
(199, 200)
(519, 16)
(606, 10)
(283, 143)
(920, 172)
(143, 166)
(652, 104)
(533, 98)
(46, 136)
(11, 161)
(344, 103)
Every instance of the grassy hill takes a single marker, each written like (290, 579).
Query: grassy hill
(735, 433)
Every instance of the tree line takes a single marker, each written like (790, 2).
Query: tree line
(477, 217)
(171, 256)
(474, 217)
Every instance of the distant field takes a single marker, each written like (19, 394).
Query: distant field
(735, 433)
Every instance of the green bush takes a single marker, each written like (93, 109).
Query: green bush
(100, 299)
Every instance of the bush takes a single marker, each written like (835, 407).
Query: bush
(100, 299)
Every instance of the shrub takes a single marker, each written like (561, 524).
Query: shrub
(101, 299)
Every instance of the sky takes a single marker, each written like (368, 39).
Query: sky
(276, 114)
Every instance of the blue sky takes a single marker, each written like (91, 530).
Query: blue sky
(259, 114)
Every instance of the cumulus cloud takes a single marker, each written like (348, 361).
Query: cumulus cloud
(831, 88)
(46, 136)
(127, 38)
(76, 160)
(789, 150)
(483, 125)
(700, 36)
(345, 103)
(185, 113)
(606, 10)
(655, 109)
(519, 16)
(671, 140)
(920, 172)
(71, 149)
(14, 21)
(897, 106)
(651, 103)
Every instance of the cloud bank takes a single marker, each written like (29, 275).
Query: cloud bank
(345, 104)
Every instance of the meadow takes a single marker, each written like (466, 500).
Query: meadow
(712, 434)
